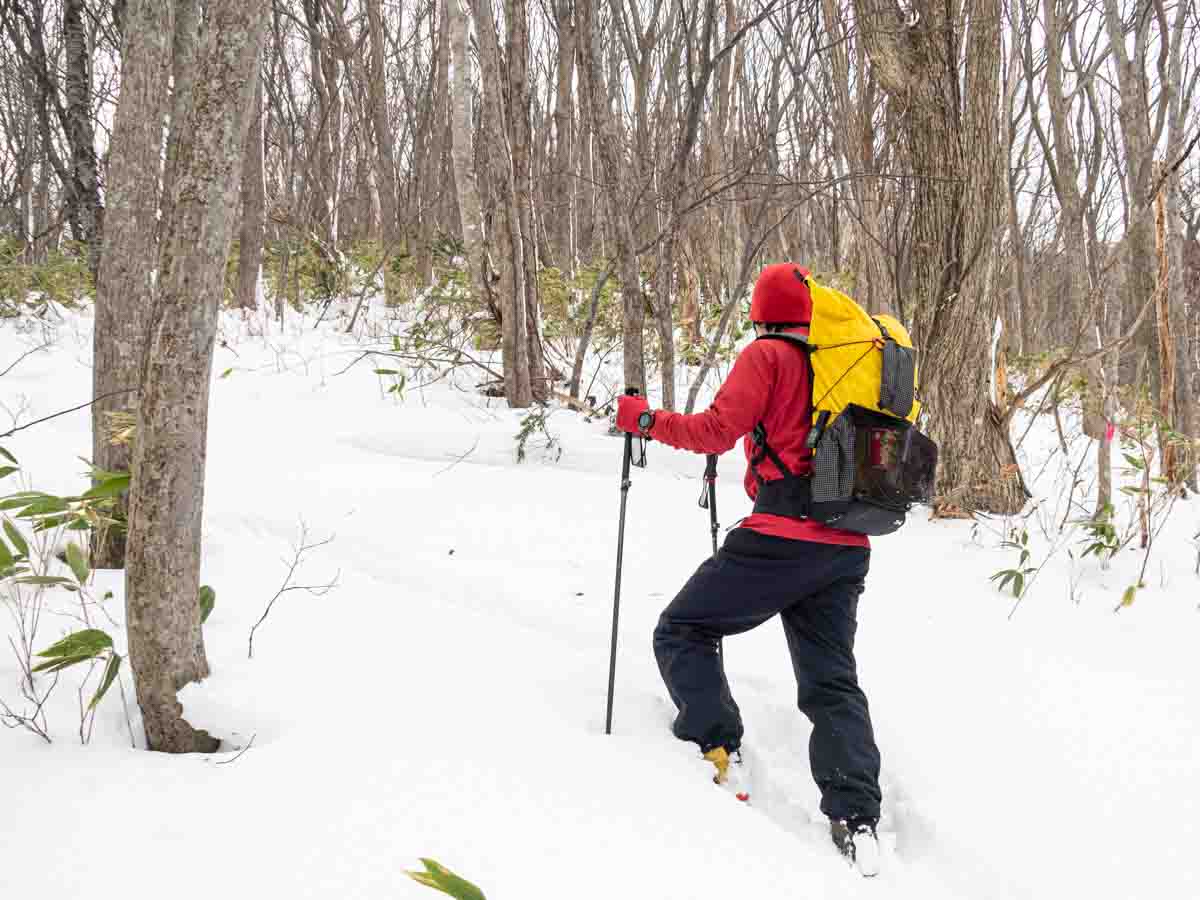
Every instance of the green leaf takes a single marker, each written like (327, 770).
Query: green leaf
(226, 373)
(5, 471)
(208, 600)
(387, 371)
(89, 643)
(1133, 461)
(61, 662)
(18, 539)
(78, 563)
(109, 487)
(46, 581)
(6, 557)
(1005, 577)
(1129, 596)
(12, 459)
(44, 507)
(442, 879)
(50, 522)
(1019, 584)
(21, 499)
(110, 675)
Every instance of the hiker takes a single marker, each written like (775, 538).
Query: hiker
(777, 560)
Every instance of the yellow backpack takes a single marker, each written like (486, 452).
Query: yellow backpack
(869, 462)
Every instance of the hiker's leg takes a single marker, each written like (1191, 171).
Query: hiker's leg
(712, 605)
(820, 633)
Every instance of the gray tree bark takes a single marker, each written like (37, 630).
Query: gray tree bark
(252, 234)
(953, 144)
(385, 151)
(522, 164)
(81, 132)
(505, 237)
(608, 144)
(563, 231)
(457, 25)
(125, 284)
(166, 647)
(1138, 140)
(183, 76)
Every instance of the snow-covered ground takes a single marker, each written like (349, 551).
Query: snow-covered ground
(447, 698)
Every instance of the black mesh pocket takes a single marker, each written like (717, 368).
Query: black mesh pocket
(898, 383)
(918, 467)
(833, 463)
(894, 464)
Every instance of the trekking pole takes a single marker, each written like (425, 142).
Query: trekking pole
(708, 497)
(625, 482)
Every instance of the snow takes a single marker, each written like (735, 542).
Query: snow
(447, 698)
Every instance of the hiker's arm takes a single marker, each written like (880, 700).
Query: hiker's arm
(739, 405)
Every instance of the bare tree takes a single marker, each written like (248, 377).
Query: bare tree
(252, 234)
(385, 149)
(605, 132)
(166, 647)
(952, 141)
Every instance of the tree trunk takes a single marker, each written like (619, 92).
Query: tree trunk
(462, 156)
(505, 235)
(183, 76)
(429, 190)
(385, 152)
(1166, 345)
(1138, 146)
(81, 132)
(166, 647)
(1185, 393)
(608, 143)
(522, 163)
(953, 140)
(125, 284)
(323, 70)
(252, 234)
(562, 231)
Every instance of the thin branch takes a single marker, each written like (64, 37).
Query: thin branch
(458, 459)
(22, 357)
(240, 753)
(287, 587)
(71, 410)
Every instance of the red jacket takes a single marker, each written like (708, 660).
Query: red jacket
(769, 383)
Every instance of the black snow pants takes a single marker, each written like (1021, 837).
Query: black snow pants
(815, 587)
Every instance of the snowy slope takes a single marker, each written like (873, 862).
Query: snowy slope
(447, 698)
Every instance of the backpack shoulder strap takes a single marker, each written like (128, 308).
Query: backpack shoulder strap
(759, 435)
(796, 340)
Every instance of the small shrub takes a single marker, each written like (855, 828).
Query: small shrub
(27, 288)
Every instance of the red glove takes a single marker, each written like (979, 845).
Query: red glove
(628, 410)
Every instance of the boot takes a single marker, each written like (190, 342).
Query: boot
(856, 840)
(719, 757)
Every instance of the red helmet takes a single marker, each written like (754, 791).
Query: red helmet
(781, 295)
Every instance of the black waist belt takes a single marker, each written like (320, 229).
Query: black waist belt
(790, 496)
